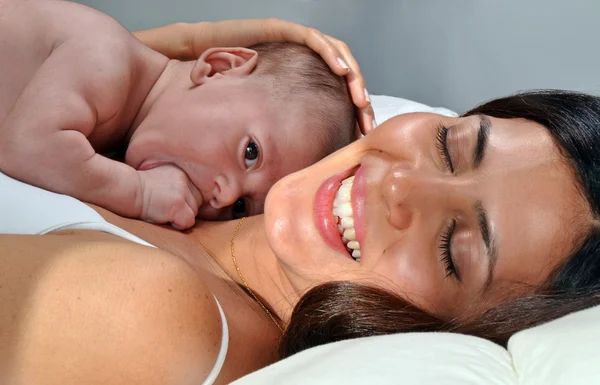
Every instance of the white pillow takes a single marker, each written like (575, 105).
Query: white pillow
(386, 107)
(565, 351)
(406, 359)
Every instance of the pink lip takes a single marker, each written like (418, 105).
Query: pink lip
(323, 212)
(359, 200)
(150, 164)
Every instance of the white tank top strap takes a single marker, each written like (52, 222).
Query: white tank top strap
(214, 373)
(105, 227)
(25, 209)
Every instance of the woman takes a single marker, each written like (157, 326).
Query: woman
(342, 310)
(450, 215)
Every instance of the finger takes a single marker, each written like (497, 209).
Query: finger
(184, 219)
(356, 81)
(344, 50)
(194, 198)
(281, 30)
(366, 120)
(228, 33)
(190, 203)
(335, 53)
(176, 226)
(254, 31)
(360, 95)
(319, 43)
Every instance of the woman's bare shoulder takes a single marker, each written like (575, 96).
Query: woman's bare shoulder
(89, 307)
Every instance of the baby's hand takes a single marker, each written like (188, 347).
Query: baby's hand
(169, 196)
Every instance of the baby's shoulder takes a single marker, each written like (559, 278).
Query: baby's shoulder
(88, 33)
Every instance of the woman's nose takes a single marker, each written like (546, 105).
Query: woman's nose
(410, 192)
(226, 191)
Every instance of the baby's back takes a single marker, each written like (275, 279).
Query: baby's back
(30, 30)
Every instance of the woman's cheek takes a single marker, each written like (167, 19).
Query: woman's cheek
(408, 273)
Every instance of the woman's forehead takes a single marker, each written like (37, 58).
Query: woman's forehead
(532, 199)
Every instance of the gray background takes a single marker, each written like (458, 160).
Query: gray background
(451, 53)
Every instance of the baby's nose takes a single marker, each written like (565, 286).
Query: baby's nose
(225, 192)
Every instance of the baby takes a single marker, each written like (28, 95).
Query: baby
(205, 139)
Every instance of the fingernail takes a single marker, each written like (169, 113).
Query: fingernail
(342, 63)
(374, 124)
(367, 96)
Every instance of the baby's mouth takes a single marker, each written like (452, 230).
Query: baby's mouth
(342, 214)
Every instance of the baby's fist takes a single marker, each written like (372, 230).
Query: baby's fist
(168, 195)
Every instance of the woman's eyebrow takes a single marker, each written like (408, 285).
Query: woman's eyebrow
(489, 239)
(485, 126)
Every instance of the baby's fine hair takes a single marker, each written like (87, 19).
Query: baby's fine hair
(299, 72)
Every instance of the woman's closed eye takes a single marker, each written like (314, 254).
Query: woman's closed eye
(251, 154)
(445, 246)
(442, 146)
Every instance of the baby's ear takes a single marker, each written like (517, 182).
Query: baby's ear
(235, 61)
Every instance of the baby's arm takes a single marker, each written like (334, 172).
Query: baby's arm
(43, 140)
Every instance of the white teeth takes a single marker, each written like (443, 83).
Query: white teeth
(343, 215)
(345, 190)
(341, 199)
(347, 223)
(343, 210)
(350, 235)
(346, 185)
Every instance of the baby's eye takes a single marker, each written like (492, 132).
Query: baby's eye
(239, 208)
(251, 154)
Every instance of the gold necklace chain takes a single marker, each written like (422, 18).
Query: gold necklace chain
(246, 283)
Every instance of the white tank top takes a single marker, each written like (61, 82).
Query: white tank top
(25, 209)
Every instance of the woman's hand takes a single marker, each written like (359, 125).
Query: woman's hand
(188, 41)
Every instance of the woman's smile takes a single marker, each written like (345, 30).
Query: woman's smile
(327, 211)
(390, 205)
(343, 216)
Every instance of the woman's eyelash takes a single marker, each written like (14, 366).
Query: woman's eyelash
(442, 146)
(445, 243)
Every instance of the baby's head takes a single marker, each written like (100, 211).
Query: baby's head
(256, 115)
(300, 79)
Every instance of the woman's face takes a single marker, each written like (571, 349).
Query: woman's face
(447, 212)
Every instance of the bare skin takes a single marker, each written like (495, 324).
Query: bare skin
(87, 86)
(408, 198)
(152, 309)
(185, 41)
(69, 96)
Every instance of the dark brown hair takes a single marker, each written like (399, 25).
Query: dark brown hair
(341, 310)
(300, 74)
